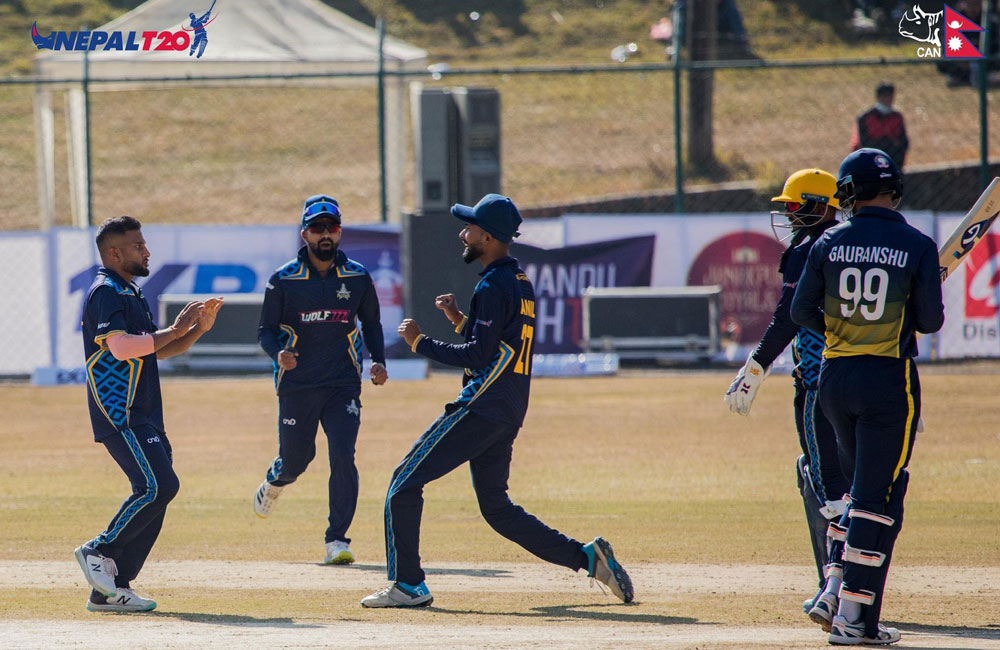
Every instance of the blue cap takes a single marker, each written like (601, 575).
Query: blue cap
(318, 206)
(495, 214)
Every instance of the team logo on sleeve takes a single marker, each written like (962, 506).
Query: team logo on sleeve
(343, 293)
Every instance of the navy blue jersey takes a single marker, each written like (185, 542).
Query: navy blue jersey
(808, 349)
(871, 283)
(498, 331)
(318, 317)
(120, 394)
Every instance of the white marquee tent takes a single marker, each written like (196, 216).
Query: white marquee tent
(250, 37)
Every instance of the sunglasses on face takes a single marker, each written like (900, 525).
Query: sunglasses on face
(320, 228)
(792, 206)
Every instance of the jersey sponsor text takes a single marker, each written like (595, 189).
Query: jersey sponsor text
(325, 316)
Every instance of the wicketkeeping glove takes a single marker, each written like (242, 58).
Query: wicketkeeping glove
(741, 392)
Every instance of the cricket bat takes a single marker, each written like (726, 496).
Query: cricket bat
(971, 231)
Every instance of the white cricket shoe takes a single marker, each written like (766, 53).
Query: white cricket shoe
(398, 595)
(824, 609)
(843, 632)
(263, 500)
(338, 552)
(99, 571)
(125, 600)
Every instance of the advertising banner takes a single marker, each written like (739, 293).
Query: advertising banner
(972, 300)
(52, 271)
(739, 252)
(212, 260)
(561, 275)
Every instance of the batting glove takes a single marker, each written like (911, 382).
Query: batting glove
(741, 392)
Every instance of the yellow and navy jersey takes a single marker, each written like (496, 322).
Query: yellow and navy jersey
(808, 349)
(326, 319)
(120, 394)
(499, 331)
(869, 285)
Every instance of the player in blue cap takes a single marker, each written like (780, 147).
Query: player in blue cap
(869, 285)
(480, 426)
(309, 327)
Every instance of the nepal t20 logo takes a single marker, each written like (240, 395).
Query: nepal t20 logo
(925, 27)
(146, 41)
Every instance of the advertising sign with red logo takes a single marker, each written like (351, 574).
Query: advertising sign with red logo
(982, 279)
(745, 265)
(972, 301)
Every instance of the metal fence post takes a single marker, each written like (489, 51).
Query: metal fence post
(983, 69)
(678, 149)
(86, 132)
(380, 26)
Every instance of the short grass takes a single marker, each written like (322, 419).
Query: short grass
(655, 461)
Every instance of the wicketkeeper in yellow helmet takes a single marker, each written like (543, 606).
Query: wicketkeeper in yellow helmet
(808, 199)
(808, 208)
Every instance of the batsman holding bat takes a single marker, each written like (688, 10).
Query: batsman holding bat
(122, 344)
(810, 208)
(480, 426)
(869, 285)
(309, 327)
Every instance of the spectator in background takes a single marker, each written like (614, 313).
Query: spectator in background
(882, 127)
(872, 16)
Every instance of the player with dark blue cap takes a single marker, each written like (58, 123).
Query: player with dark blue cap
(494, 213)
(319, 310)
(320, 205)
(480, 426)
(869, 285)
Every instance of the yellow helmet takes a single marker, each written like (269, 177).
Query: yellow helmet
(809, 185)
(804, 199)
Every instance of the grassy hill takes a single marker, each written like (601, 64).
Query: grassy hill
(505, 30)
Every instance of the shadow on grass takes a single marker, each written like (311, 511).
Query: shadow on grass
(234, 619)
(380, 568)
(615, 613)
(991, 631)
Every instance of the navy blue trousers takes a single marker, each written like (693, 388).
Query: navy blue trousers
(874, 405)
(144, 454)
(454, 438)
(818, 441)
(299, 414)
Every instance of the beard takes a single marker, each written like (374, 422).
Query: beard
(471, 254)
(136, 269)
(324, 253)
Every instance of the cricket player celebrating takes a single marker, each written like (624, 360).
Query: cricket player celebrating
(810, 208)
(869, 285)
(309, 327)
(122, 344)
(480, 426)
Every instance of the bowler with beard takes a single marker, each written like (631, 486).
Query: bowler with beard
(122, 344)
(309, 327)
(480, 425)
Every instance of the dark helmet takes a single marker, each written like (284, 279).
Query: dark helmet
(865, 174)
